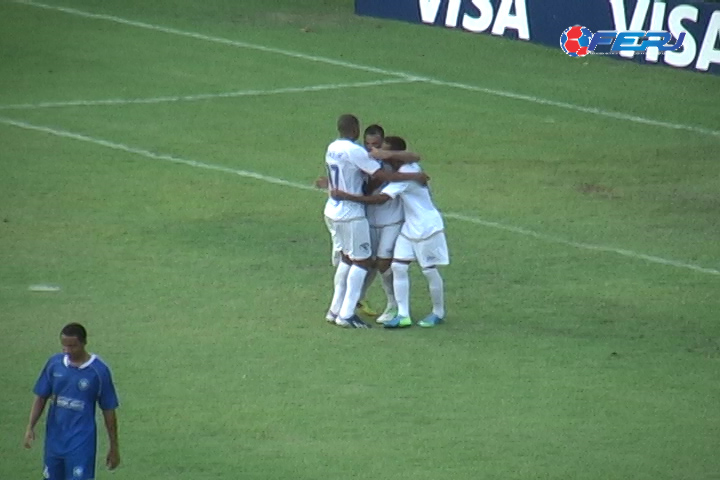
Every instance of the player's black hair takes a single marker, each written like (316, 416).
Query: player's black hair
(395, 143)
(348, 125)
(375, 129)
(75, 330)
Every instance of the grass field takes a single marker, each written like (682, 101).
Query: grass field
(156, 161)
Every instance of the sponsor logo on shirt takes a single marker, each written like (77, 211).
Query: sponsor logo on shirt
(70, 403)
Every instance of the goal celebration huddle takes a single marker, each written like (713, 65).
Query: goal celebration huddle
(381, 218)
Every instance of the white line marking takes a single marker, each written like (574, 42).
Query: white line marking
(591, 110)
(366, 68)
(287, 183)
(156, 156)
(584, 246)
(200, 36)
(204, 96)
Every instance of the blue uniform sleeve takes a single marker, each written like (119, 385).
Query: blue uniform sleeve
(108, 396)
(43, 386)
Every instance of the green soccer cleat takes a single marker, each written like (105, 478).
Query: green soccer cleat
(398, 322)
(430, 321)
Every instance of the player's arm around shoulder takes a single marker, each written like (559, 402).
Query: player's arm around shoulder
(363, 161)
(408, 172)
(402, 156)
(371, 185)
(376, 199)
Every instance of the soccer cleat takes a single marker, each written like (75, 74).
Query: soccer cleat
(387, 315)
(330, 317)
(342, 323)
(430, 321)
(356, 322)
(352, 322)
(364, 307)
(398, 322)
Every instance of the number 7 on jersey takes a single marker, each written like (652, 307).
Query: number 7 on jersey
(333, 176)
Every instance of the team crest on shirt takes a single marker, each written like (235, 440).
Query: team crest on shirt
(83, 384)
(78, 472)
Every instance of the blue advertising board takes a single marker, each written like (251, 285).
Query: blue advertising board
(543, 21)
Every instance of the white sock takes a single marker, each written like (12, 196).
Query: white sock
(355, 279)
(340, 283)
(387, 283)
(435, 282)
(371, 273)
(401, 286)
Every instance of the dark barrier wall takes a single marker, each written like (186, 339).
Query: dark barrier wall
(543, 21)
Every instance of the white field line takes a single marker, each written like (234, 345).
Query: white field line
(581, 245)
(207, 38)
(155, 156)
(393, 73)
(301, 186)
(204, 96)
(578, 108)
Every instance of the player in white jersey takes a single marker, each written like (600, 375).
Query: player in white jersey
(422, 239)
(348, 165)
(372, 138)
(385, 221)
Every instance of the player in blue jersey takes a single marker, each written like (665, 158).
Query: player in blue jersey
(73, 382)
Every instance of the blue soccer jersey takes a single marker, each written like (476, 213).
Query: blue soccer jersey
(73, 392)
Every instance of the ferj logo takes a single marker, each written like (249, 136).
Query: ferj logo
(575, 41)
(578, 41)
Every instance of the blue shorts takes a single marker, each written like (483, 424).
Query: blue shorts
(71, 467)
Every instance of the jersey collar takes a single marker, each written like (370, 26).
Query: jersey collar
(66, 361)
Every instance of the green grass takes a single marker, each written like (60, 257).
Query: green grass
(205, 291)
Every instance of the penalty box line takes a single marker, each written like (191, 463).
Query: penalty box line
(205, 96)
(300, 186)
(398, 74)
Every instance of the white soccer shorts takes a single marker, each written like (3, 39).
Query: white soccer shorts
(382, 240)
(353, 238)
(429, 252)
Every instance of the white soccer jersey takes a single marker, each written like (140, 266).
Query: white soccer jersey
(422, 218)
(347, 164)
(388, 213)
